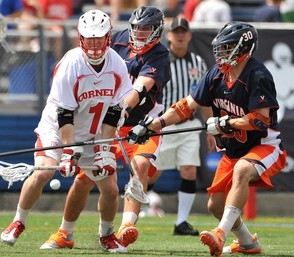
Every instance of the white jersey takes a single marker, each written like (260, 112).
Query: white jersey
(78, 87)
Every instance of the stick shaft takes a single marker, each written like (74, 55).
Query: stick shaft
(175, 131)
(91, 142)
(100, 141)
(126, 157)
(58, 167)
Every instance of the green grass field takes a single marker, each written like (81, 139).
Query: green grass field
(155, 236)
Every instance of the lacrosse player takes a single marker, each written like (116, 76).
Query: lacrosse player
(148, 66)
(242, 94)
(89, 83)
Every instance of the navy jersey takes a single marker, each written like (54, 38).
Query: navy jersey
(254, 89)
(155, 64)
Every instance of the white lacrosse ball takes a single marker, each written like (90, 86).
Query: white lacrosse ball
(55, 184)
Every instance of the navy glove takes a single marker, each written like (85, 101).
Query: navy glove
(140, 133)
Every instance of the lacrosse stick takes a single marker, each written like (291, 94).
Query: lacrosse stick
(18, 172)
(99, 141)
(134, 189)
(3, 42)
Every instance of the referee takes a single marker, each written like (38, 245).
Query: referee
(181, 151)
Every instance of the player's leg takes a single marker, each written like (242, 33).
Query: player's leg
(188, 158)
(30, 193)
(267, 155)
(186, 197)
(143, 155)
(154, 208)
(127, 232)
(215, 238)
(108, 206)
(75, 202)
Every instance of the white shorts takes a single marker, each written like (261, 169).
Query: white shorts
(87, 158)
(180, 149)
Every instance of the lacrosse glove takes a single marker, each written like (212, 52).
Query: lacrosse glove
(219, 125)
(69, 160)
(140, 133)
(105, 160)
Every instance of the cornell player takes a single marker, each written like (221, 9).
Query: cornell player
(242, 94)
(181, 151)
(89, 83)
(148, 66)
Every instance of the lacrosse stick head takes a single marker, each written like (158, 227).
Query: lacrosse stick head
(14, 172)
(134, 190)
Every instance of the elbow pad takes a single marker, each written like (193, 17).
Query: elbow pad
(64, 117)
(141, 89)
(182, 109)
(112, 115)
(258, 121)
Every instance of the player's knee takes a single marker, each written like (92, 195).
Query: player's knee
(82, 183)
(214, 210)
(41, 177)
(188, 186)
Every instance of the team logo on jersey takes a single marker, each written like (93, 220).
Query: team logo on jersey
(95, 93)
(153, 70)
(262, 99)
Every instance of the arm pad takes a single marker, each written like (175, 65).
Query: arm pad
(182, 109)
(258, 121)
(112, 115)
(141, 89)
(64, 117)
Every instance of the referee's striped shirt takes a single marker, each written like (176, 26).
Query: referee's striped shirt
(186, 72)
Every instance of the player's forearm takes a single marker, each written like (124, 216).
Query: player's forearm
(67, 134)
(168, 118)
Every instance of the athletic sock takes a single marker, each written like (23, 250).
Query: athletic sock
(21, 214)
(68, 225)
(129, 217)
(243, 234)
(230, 215)
(105, 228)
(185, 202)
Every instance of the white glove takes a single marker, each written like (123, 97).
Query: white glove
(105, 159)
(139, 133)
(219, 125)
(69, 160)
(125, 113)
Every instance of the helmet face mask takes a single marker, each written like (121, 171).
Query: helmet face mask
(234, 43)
(146, 26)
(95, 48)
(142, 38)
(94, 31)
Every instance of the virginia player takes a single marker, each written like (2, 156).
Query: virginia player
(148, 66)
(242, 94)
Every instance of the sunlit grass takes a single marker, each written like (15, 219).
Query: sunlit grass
(155, 236)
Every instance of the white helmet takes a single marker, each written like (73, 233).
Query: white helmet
(94, 24)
